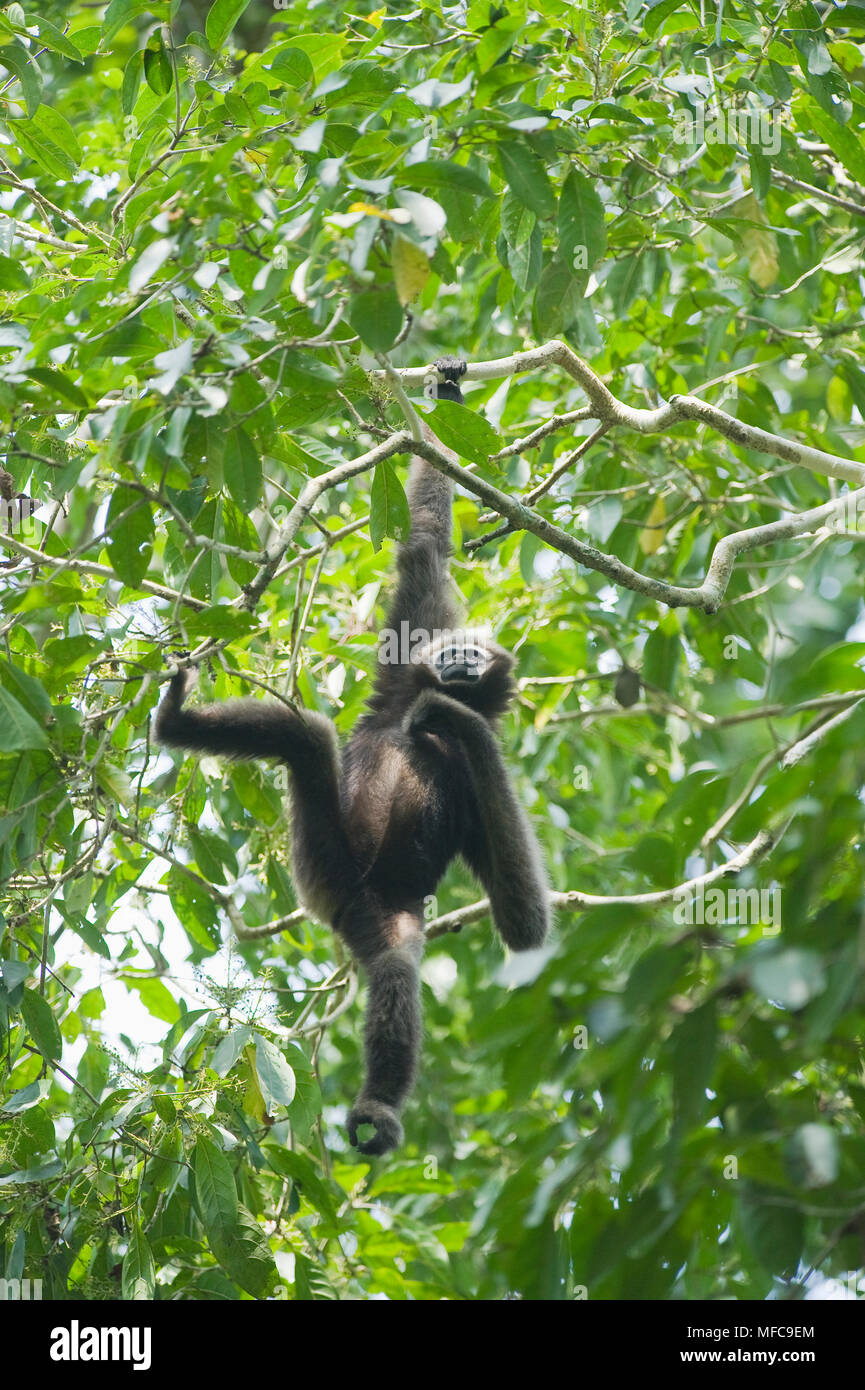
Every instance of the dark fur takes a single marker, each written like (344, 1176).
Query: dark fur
(420, 781)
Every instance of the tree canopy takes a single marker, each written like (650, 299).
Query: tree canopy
(233, 240)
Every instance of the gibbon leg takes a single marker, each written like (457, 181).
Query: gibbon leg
(393, 1023)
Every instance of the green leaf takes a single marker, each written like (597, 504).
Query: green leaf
(466, 432)
(843, 142)
(376, 316)
(410, 1176)
(775, 1233)
(138, 1279)
(292, 66)
(312, 1285)
(14, 56)
(275, 1076)
(529, 547)
(430, 173)
(527, 178)
(155, 996)
(603, 517)
(195, 909)
(497, 40)
(230, 1048)
(693, 1043)
(42, 1172)
(581, 221)
(525, 261)
(17, 729)
(658, 13)
(165, 1109)
(221, 19)
(27, 688)
(51, 141)
(389, 511)
(157, 67)
(306, 1106)
(115, 781)
(246, 1257)
(790, 977)
(34, 1134)
(518, 221)
(59, 388)
(559, 294)
(242, 466)
(662, 654)
(52, 37)
(41, 1024)
(21, 1100)
(215, 1191)
(221, 622)
(131, 81)
(120, 12)
(130, 531)
(302, 1171)
(13, 972)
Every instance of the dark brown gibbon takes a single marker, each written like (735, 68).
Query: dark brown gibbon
(420, 780)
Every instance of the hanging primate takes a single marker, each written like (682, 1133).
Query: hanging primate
(420, 780)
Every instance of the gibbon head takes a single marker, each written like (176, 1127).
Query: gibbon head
(460, 658)
(470, 667)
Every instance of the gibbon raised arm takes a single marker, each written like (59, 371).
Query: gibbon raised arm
(420, 781)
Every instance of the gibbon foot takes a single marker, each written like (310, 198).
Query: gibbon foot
(527, 934)
(389, 1131)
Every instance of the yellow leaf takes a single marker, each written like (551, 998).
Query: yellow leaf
(386, 214)
(758, 241)
(253, 1101)
(410, 269)
(839, 400)
(652, 538)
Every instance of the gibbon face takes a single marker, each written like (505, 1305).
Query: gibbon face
(463, 656)
(460, 661)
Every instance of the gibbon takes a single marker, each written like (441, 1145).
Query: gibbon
(420, 780)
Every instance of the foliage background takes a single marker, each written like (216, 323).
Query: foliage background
(187, 194)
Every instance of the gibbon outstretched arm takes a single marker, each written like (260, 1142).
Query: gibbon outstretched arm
(503, 852)
(234, 728)
(421, 597)
(324, 865)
